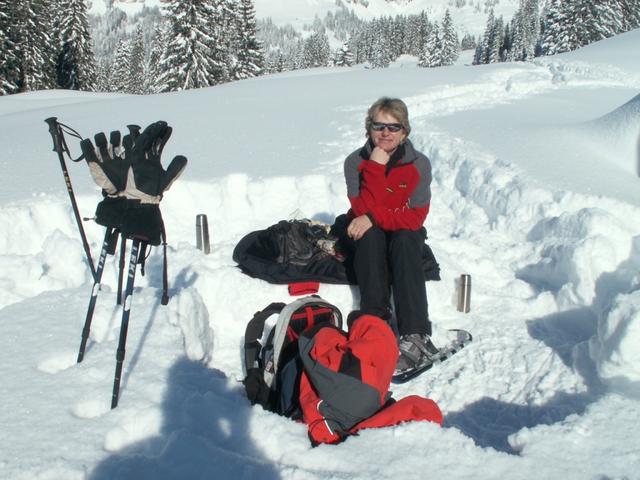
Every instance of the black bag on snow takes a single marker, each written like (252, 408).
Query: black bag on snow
(306, 251)
(274, 369)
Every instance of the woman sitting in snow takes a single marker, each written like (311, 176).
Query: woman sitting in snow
(388, 185)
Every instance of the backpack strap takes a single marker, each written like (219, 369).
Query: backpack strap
(285, 315)
(253, 334)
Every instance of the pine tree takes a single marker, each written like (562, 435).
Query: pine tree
(468, 42)
(595, 21)
(525, 28)
(153, 68)
(33, 45)
(629, 14)
(397, 29)
(136, 63)
(494, 40)
(379, 55)
(343, 57)
(431, 54)
(450, 47)
(249, 49)
(76, 69)
(316, 51)
(121, 68)
(9, 55)
(560, 34)
(104, 75)
(191, 58)
(417, 28)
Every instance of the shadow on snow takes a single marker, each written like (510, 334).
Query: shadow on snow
(205, 434)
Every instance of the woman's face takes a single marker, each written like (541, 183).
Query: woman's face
(385, 138)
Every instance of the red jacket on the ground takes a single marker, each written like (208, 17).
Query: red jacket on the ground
(346, 379)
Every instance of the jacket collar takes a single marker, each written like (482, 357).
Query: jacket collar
(404, 154)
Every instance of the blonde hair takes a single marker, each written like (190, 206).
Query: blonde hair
(391, 106)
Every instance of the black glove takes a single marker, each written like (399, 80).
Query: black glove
(109, 162)
(147, 180)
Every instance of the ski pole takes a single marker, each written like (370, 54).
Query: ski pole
(94, 293)
(133, 260)
(123, 248)
(60, 146)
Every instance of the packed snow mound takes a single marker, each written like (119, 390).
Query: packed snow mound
(618, 133)
(615, 347)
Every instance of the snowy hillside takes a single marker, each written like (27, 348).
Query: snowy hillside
(535, 194)
(470, 17)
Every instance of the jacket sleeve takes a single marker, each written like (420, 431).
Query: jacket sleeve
(405, 218)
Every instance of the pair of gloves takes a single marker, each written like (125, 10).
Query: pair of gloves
(132, 178)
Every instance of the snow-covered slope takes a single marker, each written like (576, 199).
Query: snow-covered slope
(545, 224)
(470, 17)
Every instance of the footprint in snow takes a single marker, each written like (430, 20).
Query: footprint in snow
(91, 408)
(58, 363)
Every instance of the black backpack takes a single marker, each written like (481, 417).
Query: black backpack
(275, 368)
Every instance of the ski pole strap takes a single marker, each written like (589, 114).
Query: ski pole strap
(165, 280)
(57, 131)
(253, 334)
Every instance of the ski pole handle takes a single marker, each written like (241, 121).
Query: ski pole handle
(54, 130)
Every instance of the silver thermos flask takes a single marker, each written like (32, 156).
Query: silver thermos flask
(464, 293)
(202, 233)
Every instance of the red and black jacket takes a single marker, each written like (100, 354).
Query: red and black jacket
(395, 196)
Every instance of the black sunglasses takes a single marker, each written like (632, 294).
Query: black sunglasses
(393, 127)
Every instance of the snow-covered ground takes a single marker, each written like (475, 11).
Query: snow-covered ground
(535, 195)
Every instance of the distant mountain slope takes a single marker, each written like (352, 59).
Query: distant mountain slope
(469, 15)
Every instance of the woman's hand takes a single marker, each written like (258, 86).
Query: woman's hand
(359, 226)
(378, 155)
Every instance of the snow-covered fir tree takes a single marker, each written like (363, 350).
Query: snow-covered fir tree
(571, 24)
(396, 31)
(343, 56)
(525, 30)
(9, 55)
(250, 59)
(630, 14)
(417, 30)
(596, 20)
(153, 70)
(33, 44)
(121, 67)
(379, 55)
(468, 42)
(432, 49)
(449, 44)
(192, 59)
(104, 75)
(491, 48)
(560, 34)
(137, 63)
(317, 52)
(75, 66)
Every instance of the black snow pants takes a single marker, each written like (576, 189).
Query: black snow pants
(392, 261)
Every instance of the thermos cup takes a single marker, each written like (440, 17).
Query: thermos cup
(464, 293)
(202, 233)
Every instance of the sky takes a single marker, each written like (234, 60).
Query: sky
(534, 195)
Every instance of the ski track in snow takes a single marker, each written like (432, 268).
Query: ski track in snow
(528, 371)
